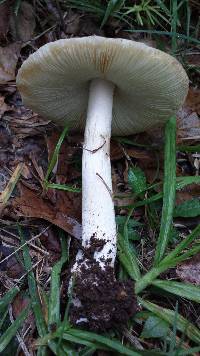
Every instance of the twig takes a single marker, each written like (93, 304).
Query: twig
(107, 187)
(26, 274)
(26, 243)
(96, 149)
(37, 248)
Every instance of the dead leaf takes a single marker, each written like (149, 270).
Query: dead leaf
(26, 124)
(66, 170)
(23, 25)
(189, 271)
(188, 125)
(194, 59)
(3, 106)
(8, 60)
(65, 212)
(4, 19)
(193, 99)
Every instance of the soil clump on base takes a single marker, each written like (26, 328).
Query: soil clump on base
(102, 302)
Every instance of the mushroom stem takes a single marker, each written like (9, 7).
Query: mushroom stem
(98, 217)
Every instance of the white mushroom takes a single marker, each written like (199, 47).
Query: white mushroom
(103, 85)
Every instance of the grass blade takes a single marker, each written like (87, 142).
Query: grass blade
(171, 260)
(68, 188)
(87, 351)
(35, 300)
(182, 246)
(165, 33)
(112, 6)
(128, 258)
(137, 180)
(7, 298)
(114, 345)
(149, 277)
(174, 25)
(168, 315)
(3, 318)
(188, 209)
(54, 299)
(169, 189)
(12, 329)
(184, 290)
(55, 155)
(186, 148)
(17, 5)
(182, 182)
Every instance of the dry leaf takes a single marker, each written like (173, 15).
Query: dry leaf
(4, 19)
(65, 212)
(8, 60)
(189, 271)
(26, 124)
(23, 25)
(65, 169)
(188, 125)
(193, 99)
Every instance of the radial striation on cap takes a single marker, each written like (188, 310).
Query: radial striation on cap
(150, 85)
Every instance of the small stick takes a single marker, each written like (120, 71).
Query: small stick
(96, 149)
(108, 189)
(26, 243)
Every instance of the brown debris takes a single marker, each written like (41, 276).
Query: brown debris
(189, 271)
(188, 125)
(8, 60)
(193, 99)
(105, 302)
(65, 169)
(23, 25)
(65, 212)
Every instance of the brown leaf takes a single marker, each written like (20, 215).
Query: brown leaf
(23, 25)
(189, 271)
(193, 99)
(65, 169)
(188, 125)
(26, 124)
(8, 60)
(65, 212)
(4, 19)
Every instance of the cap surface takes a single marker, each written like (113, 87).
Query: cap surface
(150, 85)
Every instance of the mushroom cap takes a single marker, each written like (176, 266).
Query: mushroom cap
(150, 85)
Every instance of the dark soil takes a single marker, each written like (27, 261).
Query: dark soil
(104, 302)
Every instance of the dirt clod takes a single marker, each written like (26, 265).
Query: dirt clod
(105, 303)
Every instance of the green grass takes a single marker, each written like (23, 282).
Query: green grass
(171, 20)
(53, 161)
(66, 338)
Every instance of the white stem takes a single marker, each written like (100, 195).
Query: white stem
(98, 217)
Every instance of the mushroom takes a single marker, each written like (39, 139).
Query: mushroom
(103, 85)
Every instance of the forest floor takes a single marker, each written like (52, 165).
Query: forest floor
(40, 185)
